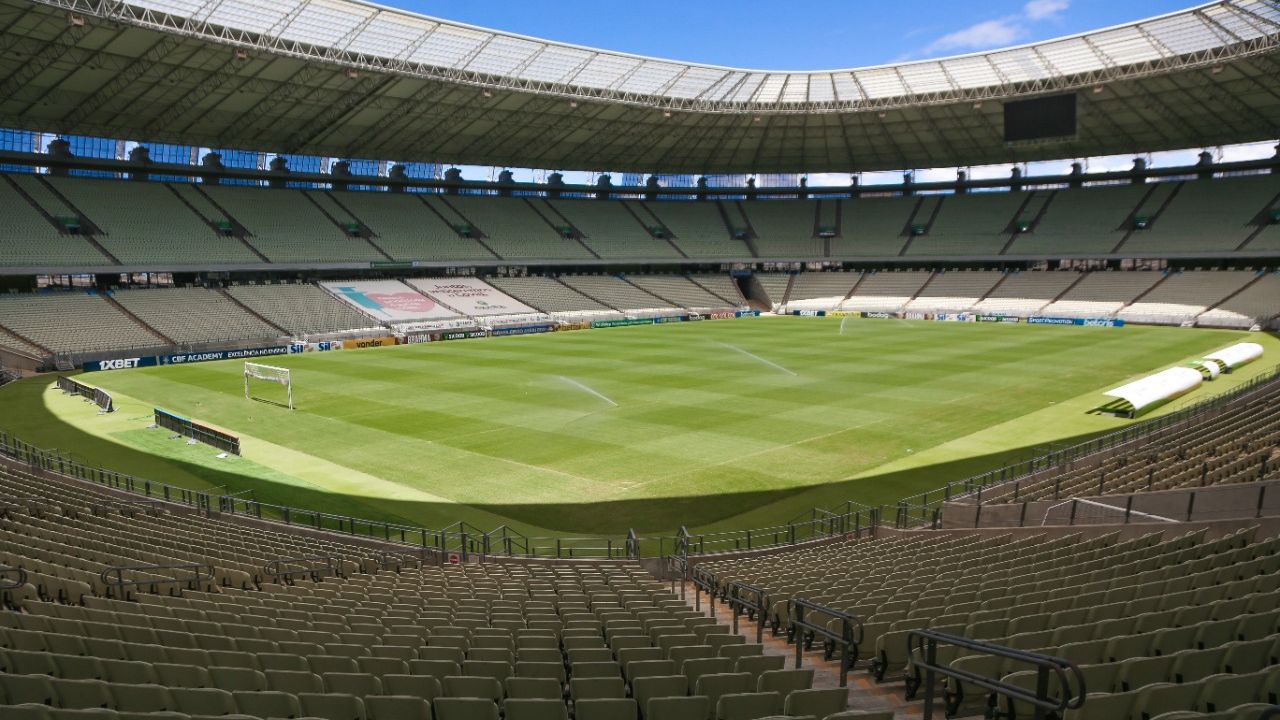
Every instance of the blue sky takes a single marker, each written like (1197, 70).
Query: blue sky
(795, 35)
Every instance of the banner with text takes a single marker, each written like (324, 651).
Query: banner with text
(471, 296)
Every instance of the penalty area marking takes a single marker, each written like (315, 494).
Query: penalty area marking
(757, 358)
(586, 389)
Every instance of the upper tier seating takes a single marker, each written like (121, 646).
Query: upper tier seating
(1213, 216)
(887, 290)
(69, 323)
(875, 227)
(194, 315)
(1102, 294)
(408, 229)
(1088, 221)
(821, 290)
(976, 224)
(286, 226)
(1024, 293)
(150, 225)
(513, 227)
(300, 309)
(679, 290)
(28, 239)
(612, 230)
(698, 227)
(1257, 303)
(549, 295)
(615, 292)
(785, 228)
(388, 633)
(1184, 295)
(954, 291)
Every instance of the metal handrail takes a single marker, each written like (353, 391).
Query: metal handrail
(315, 566)
(12, 584)
(703, 581)
(121, 505)
(922, 649)
(738, 601)
(848, 639)
(203, 573)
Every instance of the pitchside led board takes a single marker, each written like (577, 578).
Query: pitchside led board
(1042, 118)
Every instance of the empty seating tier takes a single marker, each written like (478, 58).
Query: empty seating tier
(514, 228)
(300, 309)
(194, 315)
(678, 290)
(374, 635)
(785, 228)
(887, 290)
(1184, 295)
(1089, 221)
(29, 239)
(698, 227)
(70, 323)
(149, 224)
(548, 295)
(612, 229)
(615, 292)
(977, 224)
(1024, 293)
(1102, 294)
(1257, 303)
(408, 229)
(286, 226)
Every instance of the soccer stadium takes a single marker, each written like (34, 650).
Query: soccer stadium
(362, 364)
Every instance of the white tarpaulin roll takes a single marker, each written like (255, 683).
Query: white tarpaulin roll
(1161, 387)
(1237, 354)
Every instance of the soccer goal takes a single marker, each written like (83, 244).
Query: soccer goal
(271, 374)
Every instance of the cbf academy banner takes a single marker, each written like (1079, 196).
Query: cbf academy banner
(183, 358)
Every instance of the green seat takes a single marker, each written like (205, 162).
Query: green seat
(450, 654)
(757, 665)
(818, 703)
(79, 694)
(420, 686)
(740, 650)
(397, 707)
(267, 704)
(551, 670)
(332, 706)
(439, 669)
(1222, 692)
(1249, 657)
(648, 668)
(597, 670)
(716, 685)
(678, 708)
(534, 709)
(1192, 665)
(606, 709)
(690, 652)
(141, 698)
(473, 686)
(698, 667)
(357, 684)
(784, 682)
(293, 681)
(1135, 673)
(627, 656)
(464, 708)
(597, 688)
(203, 701)
(1153, 700)
(748, 706)
(581, 655)
(658, 686)
(533, 688)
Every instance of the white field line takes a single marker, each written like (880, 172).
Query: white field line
(586, 389)
(757, 358)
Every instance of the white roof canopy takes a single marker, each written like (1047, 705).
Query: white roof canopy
(1158, 388)
(1237, 355)
(367, 33)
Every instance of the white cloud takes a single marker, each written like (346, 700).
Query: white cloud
(984, 35)
(1037, 10)
(999, 32)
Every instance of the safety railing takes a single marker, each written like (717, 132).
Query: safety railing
(703, 582)
(152, 575)
(12, 578)
(678, 573)
(922, 651)
(752, 600)
(805, 630)
(127, 507)
(314, 567)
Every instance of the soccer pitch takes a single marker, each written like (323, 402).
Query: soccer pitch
(713, 424)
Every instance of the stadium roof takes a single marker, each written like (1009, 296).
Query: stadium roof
(348, 79)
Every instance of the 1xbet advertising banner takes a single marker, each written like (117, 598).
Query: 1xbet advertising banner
(183, 358)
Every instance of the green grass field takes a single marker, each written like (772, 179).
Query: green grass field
(716, 424)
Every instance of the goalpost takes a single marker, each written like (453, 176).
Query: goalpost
(267, 373)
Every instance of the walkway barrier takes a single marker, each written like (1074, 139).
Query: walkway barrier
(753, 600)
(314, 567)
(922, 650)
(154, 576)
(805, 630)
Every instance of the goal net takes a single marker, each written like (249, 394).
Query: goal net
(275, 377)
